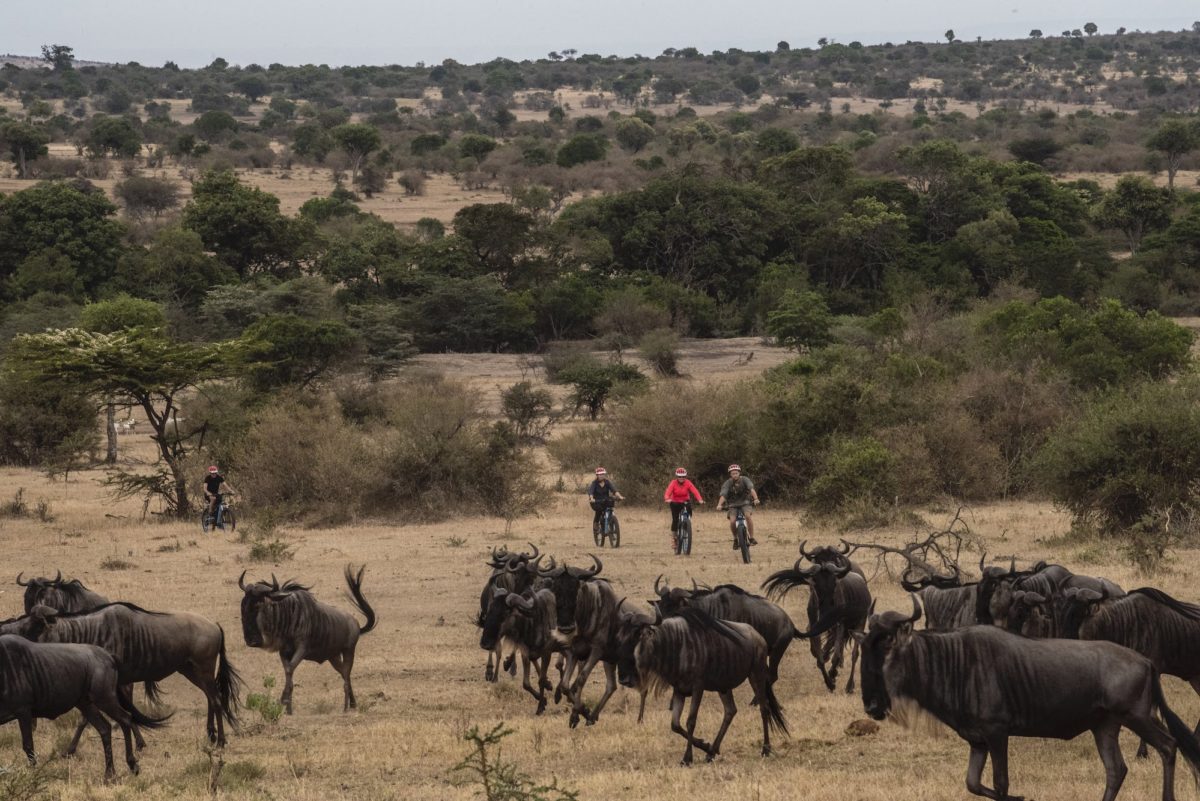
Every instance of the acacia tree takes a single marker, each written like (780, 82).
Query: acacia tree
(139, 366)
(25, 143)
(358, 140)
(1175, 139)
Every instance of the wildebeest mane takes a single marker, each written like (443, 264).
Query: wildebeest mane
(1184, 608)
(702, 621)
(126, 604)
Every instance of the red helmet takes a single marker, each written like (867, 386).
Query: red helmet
(733, 467)
(680, 472)
(212, 468)
(600, 471)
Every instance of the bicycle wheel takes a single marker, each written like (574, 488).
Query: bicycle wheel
(685, 538)
(230, 519)
(598, 533)
(204, 521)
(744, 543)
(614, 532)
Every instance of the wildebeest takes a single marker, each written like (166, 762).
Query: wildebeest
(997, 585)
(1031, 614)
(148, 647)
(835, 591)
(528, 621)
(514, 572)
(46, 681)
(949, 604)
(691, 653)
(828, 554)
(587, 611)
(291, 621)
(988, 685)
(65, 596)
(732, 603)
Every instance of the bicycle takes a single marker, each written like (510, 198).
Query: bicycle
(683, 533)
(743, 535)
(609, 527)
(224, 517)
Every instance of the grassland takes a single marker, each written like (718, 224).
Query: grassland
(419, 675)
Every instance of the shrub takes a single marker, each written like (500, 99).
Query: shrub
(44, 423)
(562, 356)
(854, 468)
(499, 779)
(628, 316)
(582, 148)
(412, 182)
(1131, 463)
(660, 349)
(593, 386)
(800, 320)
(529, 409)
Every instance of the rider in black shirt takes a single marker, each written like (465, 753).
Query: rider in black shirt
(601, 494)
(213, 484)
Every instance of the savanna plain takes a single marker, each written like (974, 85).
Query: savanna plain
(419, 675)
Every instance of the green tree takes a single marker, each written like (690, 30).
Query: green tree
(426, 143)
(476, 146)
(142, 195)
(1135, 207)
(949, 34)
(253, 86)
(1090, 28)
(582, 148)
(632, 134)
(60, 57)
(1175, 139)
(358, 140)
(498, 233)
(1035, 149)
(138, 366)
(25, 143)
(211, 125)
(117, 136)
(800, 320)
(242, 225)
(174, 268)
(288, 350)
(1036, 33)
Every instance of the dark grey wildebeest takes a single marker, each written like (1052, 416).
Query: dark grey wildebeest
(692, 653)
(587, 611)
(528, 621)
(989, 685)
(949, 604)
(837, 593)
(828, 554)
(65, 596)
(997, 585)
(148, 647)
(46, 681)
(290, 621)
(732, 603)
(513, 572)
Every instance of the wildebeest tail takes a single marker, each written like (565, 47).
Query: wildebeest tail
(356, 597)
(775, 718)
(153, 693)
(229, 685)
(1185, 741)
(137, 716)
(777, 584)
(823, 624)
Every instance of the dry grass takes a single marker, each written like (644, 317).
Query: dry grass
(419, 675)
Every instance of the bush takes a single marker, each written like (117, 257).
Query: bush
(800, 320)
(660, 349)
(45, 423)
(1131, 463)
(582, 148)
(529, 409)
(594, 385)
(563, 356)
(855, 468)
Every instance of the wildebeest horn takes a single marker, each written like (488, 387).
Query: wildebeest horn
(695, 586)
(661, 593)
(1033, 598)
(274, 582)
(1091, 596)
(844, 548)
(804, 553)
(595, 569)
(840, 570)
(1012, 566)
(1017, 596)
(982, 557)
(242, 581)
(58, 577)
(553, 571)
(916, 615)
(536, 553)
(912, 586)
(22, 583)
(657, 615)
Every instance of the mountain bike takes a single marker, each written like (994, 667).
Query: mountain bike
(609, 527)
(225, 515)
(683, 534)
(743, 535)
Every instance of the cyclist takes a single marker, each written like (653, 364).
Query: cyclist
(738, 492)
(215, 486)
(677, 494)
(601, 495)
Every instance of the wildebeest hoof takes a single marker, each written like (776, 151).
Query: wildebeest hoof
(711, 756)
(686, 762)
(574, 721)
(591, 721)
(766, 750)
(134, 768)
(849, 689)
(754, 701)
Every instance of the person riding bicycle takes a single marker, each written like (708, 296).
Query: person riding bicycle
(215, 487)
(601, 495)
(678, 493)
(738, 493)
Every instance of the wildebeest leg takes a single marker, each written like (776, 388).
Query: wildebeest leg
(1152, 732)
(343, 663)
(677, 712)
(730, 711)
(494, 657)
(214, 725)
(853, 664)
(576, 691)
(1196, 686)
(979, 755)
(290, 662)
(490, 670)
(564, 675)
(693, 714)
(101, 724)
(998, 749)
(610, 687)
(70, 750)
(1108, 744)
(26, 723)
(111, 706)
(814, 645)
(126, 691)
(510, 664)
(528, 687)
(834, 651)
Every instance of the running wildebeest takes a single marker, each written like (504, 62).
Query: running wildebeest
(692, 653)
(46, 681)
(732, 603)
(587, 610)
(291, 621)
(148, 647)
(528, 621)
(514, 572)
(834, 590)
(989, 685)
(828, 554)
(65, 596)
(949, 604)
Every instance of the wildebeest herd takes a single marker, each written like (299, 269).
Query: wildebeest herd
(74, 649)
(1037, 652)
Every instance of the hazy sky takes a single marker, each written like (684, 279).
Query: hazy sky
(338, 32)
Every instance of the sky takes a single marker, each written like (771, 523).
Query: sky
(353, 32)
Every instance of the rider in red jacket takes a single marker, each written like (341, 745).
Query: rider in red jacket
(679, 492)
